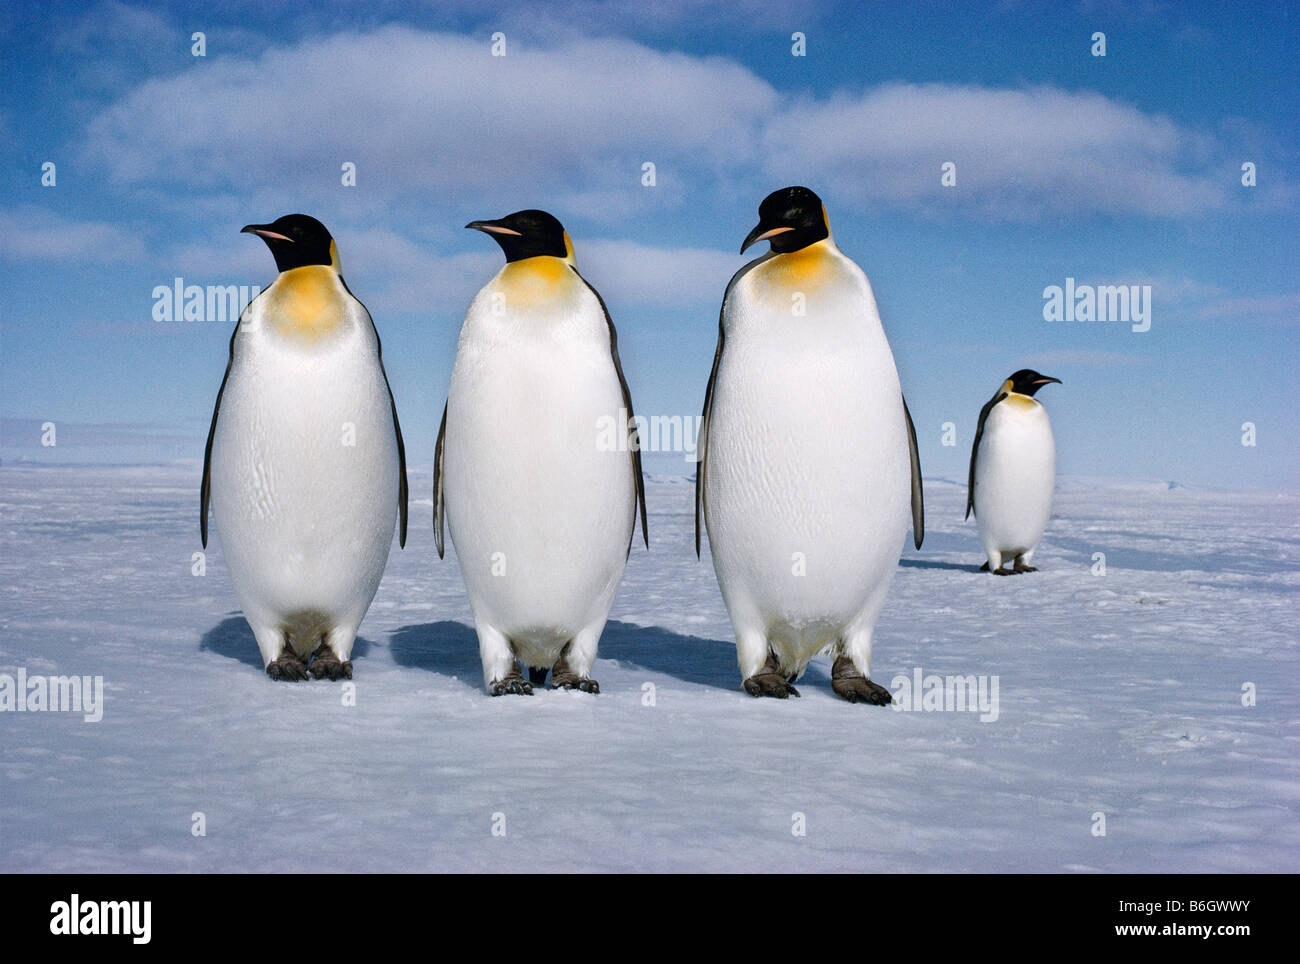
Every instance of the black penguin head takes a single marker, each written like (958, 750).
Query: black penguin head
(1027, 381)
(296, 240)
(526, 234)
(791, 218)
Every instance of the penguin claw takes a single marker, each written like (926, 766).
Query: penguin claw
(286, 668)
(859, 689)
(570, 681)
(325, 664)
(1004, 571)
(770, 684)
(1024, 568)
(563, 678)
(514, 685)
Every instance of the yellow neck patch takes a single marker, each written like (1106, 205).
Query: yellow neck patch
(1016, 400)
(305, 303)
(806, 268)
(533, 280)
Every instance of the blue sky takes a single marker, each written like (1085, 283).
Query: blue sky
(1123, 169)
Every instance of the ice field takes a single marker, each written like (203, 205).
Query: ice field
(1119, 694)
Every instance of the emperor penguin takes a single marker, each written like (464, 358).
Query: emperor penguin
(304, 469)
(805, 454)
(1012, 473)
(537, 470)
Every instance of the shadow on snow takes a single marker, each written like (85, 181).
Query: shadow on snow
(451, 649)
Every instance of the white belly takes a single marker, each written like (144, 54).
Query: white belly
(807, 478)
(1015, 474)
(305, 519)
(540, 516)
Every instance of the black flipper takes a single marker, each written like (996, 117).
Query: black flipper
(205, 490)
(439, 507)
(702, 442)
(403, 492)
(918, 497)
(975, 447)
(634, 440)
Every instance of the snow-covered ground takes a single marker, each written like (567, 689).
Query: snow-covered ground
(1118, 693)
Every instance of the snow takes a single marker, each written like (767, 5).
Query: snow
(1119, 694)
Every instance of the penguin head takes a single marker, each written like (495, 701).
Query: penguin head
(1027, 382)
(296, 240)
(527, 234)
(790, 219)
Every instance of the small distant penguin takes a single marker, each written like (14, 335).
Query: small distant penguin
(1012, 473)
(805, 452)
(542, 511)
(304, 468)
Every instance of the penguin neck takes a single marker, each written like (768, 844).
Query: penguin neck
(532, 280)
(306, 304)
(1024, 403)
(809, 267)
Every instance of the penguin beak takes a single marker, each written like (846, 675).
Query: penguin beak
(762, 233)
(264, 232)
(493, 227)
(1047, 378)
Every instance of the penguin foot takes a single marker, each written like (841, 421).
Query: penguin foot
(1004, 571)
(571, 681)
(848, 683)
(537, 675)
(512, 684)
(770, 684)
(1021, 567)
(859, 689)
(287, 667)
(563, 678)
(770, 681)
(324, 664)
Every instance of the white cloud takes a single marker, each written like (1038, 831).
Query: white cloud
(31, 233)
(434, 116)
(1018, 153)
(438, 115)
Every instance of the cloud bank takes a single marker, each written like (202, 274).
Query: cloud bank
(435, 115)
